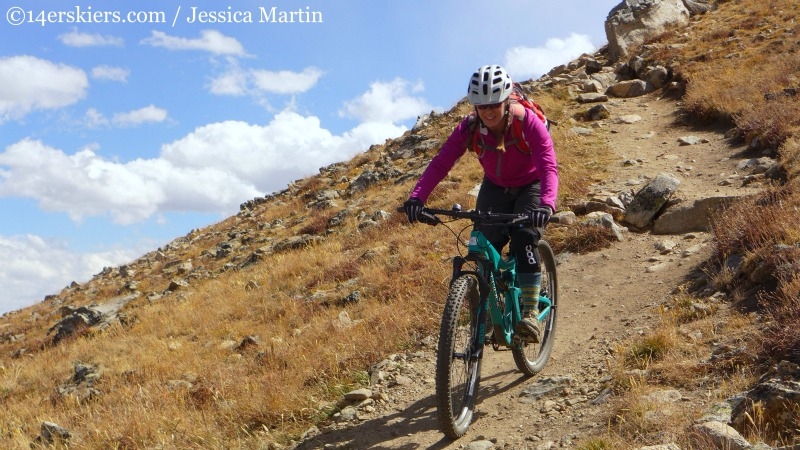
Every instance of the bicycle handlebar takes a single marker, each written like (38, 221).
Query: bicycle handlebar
(480, 217)
(430, 217)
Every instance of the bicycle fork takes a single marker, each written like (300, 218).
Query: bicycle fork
(478, 307)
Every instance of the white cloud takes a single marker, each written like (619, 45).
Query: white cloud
(28, 83)
(149, 113)
(109, 73)
(369, 133)
(238, 81)
(33, 268)
(212, 169)
(268, 156)
(286, 82)
(526, 62)
(77, 39)
(84, 184)
(232, 82)
(387, 102)
(94, 118)
(210, 41)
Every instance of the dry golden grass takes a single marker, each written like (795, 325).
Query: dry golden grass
(579, 238)
(756, 229)
(673, 357)
(644, 418)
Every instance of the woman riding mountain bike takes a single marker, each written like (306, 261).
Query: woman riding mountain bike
(520, 176)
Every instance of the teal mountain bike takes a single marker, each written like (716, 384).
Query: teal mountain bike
(484, 283)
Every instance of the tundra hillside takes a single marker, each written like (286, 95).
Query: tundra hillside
(249, 333)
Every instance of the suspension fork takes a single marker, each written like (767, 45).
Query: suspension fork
(483, 293)
(483, 282)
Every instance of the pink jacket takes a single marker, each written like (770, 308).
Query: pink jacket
(511, 168)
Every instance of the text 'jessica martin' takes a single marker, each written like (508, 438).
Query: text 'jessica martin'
(259, 15)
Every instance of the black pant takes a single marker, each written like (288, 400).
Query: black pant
(525, 199)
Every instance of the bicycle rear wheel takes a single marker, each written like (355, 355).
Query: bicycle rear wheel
(458, 360)
(529, 357)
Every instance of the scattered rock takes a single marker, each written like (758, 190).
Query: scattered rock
(650, 199)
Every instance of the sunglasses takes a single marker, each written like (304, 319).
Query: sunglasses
(489, 106)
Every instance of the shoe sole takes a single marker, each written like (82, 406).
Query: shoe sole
(529, 335)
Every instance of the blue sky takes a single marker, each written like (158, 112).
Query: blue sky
(124, 125)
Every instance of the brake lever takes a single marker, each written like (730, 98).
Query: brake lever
(429, 219)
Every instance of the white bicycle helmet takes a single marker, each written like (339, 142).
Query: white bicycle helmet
(489, 84)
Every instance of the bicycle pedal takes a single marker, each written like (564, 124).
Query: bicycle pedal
(516, 339)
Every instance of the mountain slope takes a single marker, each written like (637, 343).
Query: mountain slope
(245, 333)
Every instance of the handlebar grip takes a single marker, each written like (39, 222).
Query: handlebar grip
(429, 219)
(425, 217)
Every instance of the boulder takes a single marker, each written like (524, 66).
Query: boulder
(690, 216)
(631, 22)
(650, 199)
(773, 400)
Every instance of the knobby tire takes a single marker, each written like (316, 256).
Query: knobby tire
(529, 357)
(458, 366)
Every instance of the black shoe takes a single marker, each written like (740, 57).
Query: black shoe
(528, 329)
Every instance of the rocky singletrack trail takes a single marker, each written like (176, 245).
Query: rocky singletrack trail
(606, 298)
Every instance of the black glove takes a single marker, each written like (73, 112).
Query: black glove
(540, 216)
(413, 208)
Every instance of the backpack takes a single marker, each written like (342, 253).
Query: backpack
(518, 96)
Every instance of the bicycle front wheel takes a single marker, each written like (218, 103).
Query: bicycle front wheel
(458, 360)
(529, 357)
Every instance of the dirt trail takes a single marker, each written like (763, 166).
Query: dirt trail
(605, 298)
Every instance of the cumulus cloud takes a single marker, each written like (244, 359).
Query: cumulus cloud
(269, 156)
(212, 169)
(211, 41)
(233, 82)
(108, 73)
(387, 102)
(78, 39)
(149, 113)
(286, 82)
(34, 267)
(526, 62)
(239, 81)
(94, 118)
(85, 184)
(28, 83)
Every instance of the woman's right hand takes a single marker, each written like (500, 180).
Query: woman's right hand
(413, 208)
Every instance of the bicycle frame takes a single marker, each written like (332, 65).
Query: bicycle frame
(496, 276)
